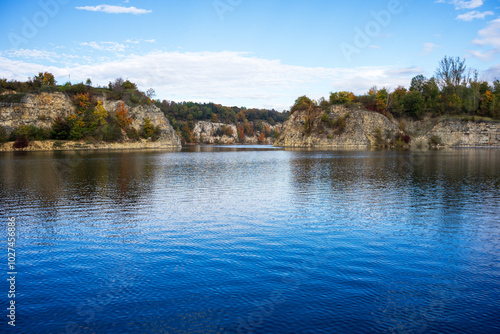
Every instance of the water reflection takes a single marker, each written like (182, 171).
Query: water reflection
(200, 239)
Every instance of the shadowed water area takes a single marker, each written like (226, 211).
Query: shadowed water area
(254, 240)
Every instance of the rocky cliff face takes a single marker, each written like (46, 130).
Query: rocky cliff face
(359, 130)
(36, 109)
(140, 113)
(206, 133)
(454, 133)
(365, 129)
(42, 109)
(220, 133)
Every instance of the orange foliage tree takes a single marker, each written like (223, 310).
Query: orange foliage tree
(122, 116)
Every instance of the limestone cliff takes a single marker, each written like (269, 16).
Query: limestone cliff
(206, 133)
(347, 127)
(36, 109)
(219, 133)
(139, 113)
(42, 109)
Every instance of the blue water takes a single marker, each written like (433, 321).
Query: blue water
(253, 240)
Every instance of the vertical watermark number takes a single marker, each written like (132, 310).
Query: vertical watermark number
(11, 272)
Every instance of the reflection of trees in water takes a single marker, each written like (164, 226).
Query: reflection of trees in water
(455, 179)
(448, 176)
(40, 188)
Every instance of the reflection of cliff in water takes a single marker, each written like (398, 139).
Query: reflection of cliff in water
(43, 181)
(373, 181)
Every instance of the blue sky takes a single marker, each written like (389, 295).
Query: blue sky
(254, 53)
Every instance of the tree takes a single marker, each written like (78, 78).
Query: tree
(417, 83)
(430, 93)
(44, 79)
(88, 82)
(100, 114)
(150, 93)
(148, 130)
(396, 104)
(302, 103)
(382, 100)
(121, 114)
(341, 98)
(487, 103)
(450, 72)
(414, 103)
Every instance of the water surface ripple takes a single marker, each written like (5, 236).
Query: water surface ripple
(254, 240)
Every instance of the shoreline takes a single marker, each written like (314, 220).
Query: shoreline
(60, 145)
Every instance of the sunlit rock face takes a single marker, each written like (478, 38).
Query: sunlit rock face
(364, 129)
(42, 109)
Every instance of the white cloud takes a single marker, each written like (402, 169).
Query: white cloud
(32, 54)
(489, 37)
(230, 78)
(105, 46)
(115, 9)
(473, 15)
(428, 48)
(485, 56)
(460, 4)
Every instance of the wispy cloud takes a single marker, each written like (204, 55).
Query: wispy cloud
(32, 54)
(489, 37)
(428, 48)
(105, 46)
(474, 15)
(115, 9)
(461, 4)
(373, 46)
(224, 77)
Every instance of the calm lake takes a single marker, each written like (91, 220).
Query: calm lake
(253, 240)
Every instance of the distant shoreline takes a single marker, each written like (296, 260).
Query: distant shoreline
(58, 145)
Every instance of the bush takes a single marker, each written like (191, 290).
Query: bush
(31, 132)
(434, 141)
(111, 132)
(21, 142)
(12, 98)
(75, 89)
(132, 134)
(60, 129)
(3, 135)
(340, 123)
(148, 130)
(401, 139)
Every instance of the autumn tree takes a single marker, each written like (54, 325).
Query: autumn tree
(122, 116)
(100, 114)
(148, 130)
(382, 96)
(341, 97)
(44, 79)
(302, 103)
